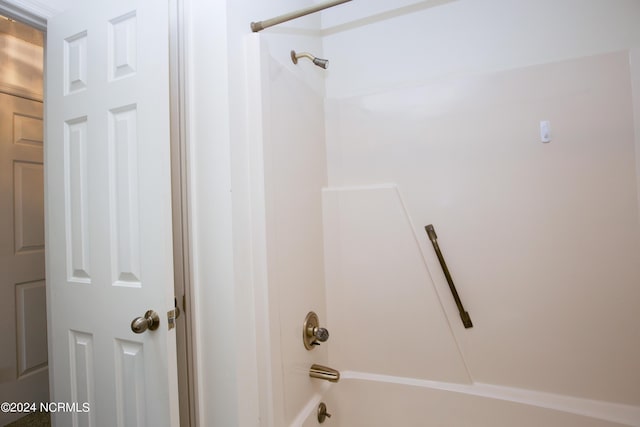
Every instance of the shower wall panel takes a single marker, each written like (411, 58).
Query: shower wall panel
(294, 174)
(381, 44)
(542, 239)
(382, 303)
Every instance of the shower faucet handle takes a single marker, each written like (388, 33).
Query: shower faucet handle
(312, 333)
(321, 334)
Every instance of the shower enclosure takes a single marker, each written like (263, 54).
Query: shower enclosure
(348, 166)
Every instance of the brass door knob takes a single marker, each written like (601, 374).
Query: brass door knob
(150, 321)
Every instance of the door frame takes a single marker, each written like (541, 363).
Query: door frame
(26, 12)
(35, 15)
(180, 202)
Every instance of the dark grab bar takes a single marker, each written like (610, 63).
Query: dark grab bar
(466, 320)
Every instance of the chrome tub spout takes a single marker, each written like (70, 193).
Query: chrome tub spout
(324, 373)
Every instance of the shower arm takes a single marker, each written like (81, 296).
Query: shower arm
(322, 63)
(261, 25)
(466, 319)
(297, 55)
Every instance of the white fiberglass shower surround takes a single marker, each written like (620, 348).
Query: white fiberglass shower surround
(430, 114)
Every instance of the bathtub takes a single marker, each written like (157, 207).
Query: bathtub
(371, 400)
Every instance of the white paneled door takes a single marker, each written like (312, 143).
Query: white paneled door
(109, 240)
(23, 330)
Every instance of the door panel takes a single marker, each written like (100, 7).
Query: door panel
(109, 213)
(23, 333)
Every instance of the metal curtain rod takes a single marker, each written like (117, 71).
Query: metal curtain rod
(261, 25)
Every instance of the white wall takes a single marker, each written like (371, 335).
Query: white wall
(211, 210)
(20, 65)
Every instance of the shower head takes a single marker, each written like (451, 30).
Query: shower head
(322, 63)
